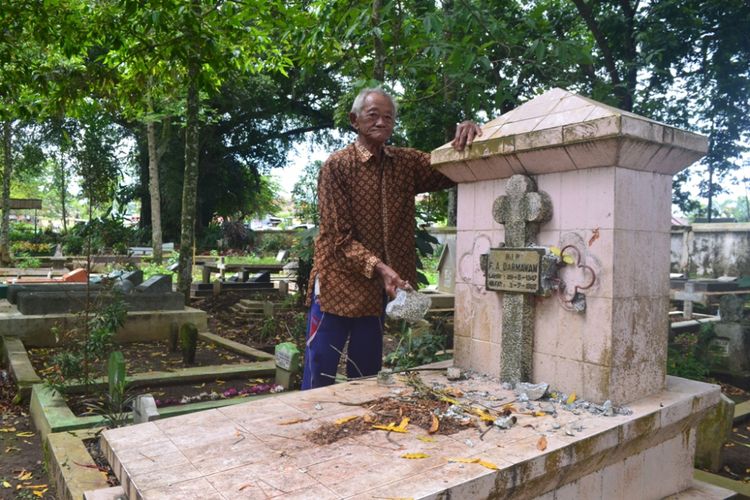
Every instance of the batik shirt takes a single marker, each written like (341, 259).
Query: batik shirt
(367, 216)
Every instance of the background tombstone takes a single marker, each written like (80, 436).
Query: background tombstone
(609, 175)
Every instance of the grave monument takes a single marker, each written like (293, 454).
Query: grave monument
(562, 262)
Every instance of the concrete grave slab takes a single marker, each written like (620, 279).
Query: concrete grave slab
(156, 285)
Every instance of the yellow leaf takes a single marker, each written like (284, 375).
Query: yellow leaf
(392, 427)
(449, 400)
(6, 484)
(294, 421)
(220, 382)
(403, 424)
(539, 413)
(554, 251)
(8, 429)
(344, 420)
(25, 434)
(568, 259)
(484, 416)
(426, 439)
(571, 398)
(541, 445)
(435, 424)
(24, 475)
(414, 456)
(479, 461)
(487, 464)
(38, 493)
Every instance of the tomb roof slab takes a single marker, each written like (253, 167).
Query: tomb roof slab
(557, 121)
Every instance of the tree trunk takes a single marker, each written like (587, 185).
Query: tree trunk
(190, 185)
(63, 193)
(5, 258)
(153, 188)
(710, 209)
(378, 72)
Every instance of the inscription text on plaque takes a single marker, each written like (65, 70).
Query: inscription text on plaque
(515, 270)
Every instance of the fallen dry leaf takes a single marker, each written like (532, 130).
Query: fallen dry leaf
(452, 391)
(435, 424)
(414, 456)
(344, 420)
(294, 421)
(571, 398)
(487, 464)
(6, 484)
(479, 461)
(244, 486)
(8, 429)
(24, 475)
(25, 434)
(426, 439)
(484, 416)
(392, 427)
(541, 445)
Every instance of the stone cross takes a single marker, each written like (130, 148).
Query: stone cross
(521, 210)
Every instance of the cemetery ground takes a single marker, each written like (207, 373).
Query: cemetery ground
(23, 472)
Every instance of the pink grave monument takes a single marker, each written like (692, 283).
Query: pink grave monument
(608, 176)
(559, 171)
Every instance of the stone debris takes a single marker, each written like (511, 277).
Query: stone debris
(531, 392)
(408, 305)
(453, 373)
(505, 422)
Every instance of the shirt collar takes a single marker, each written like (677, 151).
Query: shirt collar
(365, 155)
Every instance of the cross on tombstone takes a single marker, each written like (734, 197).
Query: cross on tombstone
(522, 210)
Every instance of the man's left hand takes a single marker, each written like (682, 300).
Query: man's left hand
(466, 131)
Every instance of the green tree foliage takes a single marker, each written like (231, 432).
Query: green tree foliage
(305, 193)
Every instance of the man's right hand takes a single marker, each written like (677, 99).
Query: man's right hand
(391, 280)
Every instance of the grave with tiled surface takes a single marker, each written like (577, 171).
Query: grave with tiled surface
(247, 451)
(607, 174)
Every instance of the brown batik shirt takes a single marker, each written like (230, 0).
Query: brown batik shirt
(367, 216)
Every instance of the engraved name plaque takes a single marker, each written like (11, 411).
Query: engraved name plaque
(515, 270)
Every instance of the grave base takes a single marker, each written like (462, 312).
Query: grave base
(36, 330)
(252, 449)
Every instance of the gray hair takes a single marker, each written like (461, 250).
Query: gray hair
(359, 101)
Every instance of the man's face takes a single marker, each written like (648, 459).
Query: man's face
(375, 122)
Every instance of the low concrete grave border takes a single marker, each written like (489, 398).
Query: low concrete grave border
(70, 466)
(17, 359)
(50, 413)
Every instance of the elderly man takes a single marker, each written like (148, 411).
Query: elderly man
(365, 250)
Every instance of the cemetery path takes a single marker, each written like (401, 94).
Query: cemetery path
(22, 471)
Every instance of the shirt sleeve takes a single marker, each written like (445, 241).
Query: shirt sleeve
(427, 178)
(336, 223)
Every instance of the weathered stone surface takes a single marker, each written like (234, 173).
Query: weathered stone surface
(135, 277)
(33, 303)
(144, 409)
(731, 308)
(155, 285)
(522, 209)
(264, 277)
(713, 431)
(732, 347)
(14, 290)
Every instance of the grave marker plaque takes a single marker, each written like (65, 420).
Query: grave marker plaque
(515, 270)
